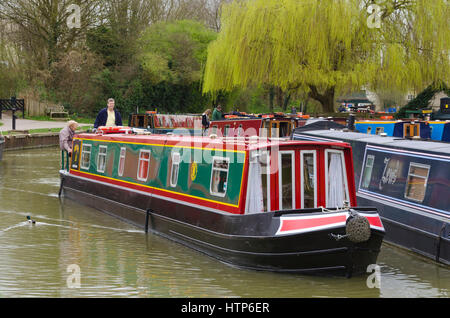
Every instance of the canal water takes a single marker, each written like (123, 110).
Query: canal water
(76, 251)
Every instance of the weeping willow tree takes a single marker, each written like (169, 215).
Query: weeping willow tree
(327, 47)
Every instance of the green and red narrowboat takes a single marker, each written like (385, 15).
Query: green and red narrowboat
(263, 204)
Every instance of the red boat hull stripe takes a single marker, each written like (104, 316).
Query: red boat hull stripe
(312, 223)
(299, 224)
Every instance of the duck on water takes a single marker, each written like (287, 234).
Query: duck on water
(30, 220)
(262, 204)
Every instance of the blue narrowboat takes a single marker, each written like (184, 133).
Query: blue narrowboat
(399, 129)
(408, 181)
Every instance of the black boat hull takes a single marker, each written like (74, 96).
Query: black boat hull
(245, 241)
(421, 234)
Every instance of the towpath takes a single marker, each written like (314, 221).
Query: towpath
(27, 124)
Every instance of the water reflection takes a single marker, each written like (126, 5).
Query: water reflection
(119, 260)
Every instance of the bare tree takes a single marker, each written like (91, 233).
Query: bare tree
(214, 11)
(42, 25)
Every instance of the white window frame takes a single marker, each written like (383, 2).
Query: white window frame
(364, 170)
(277, 129)
(83, 153)
(302, 176)
(417, 165)
(280, 177)
(101, 154)
(177, 164)
(379, 130)
(240, 131)
(218, 194)
(265, 154)
(122, 155)
(344, 167)
(139, 164)
(226, 130)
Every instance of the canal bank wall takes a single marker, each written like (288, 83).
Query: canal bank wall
(30, 141)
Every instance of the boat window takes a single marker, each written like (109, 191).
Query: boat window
(407, 131)
(369, 130)
(214, 130)
(258, 183)
(379, 130)
(219, 176)
(308, 179)
(285, 130)
(123, 152)
(265, 129)
(391, 173)
(412, 130)
(417, 130)
(265, 179)
(337, 189)
(86, 157)
(226, 131)
(367, 175)
(101, 158)
(287, 180)
(416, 183)
(274, 133)
(240, 131)
(144, 165)
(175, 169)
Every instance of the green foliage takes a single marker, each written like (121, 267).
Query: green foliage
(12, 79)
(164, 72)
(423, 99)
(105, 43)
(172, 56)
(11, 82)
(175, 51)
(289, 44)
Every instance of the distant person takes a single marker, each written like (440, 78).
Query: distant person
(66, 136)
(205, 119)
(108, 116)
(217, 113)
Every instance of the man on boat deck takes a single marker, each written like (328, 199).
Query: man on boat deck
(66, 136)
(217, 113)
(108, 117)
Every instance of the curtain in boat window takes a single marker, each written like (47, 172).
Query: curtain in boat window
(336, 182)
(255, 189)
